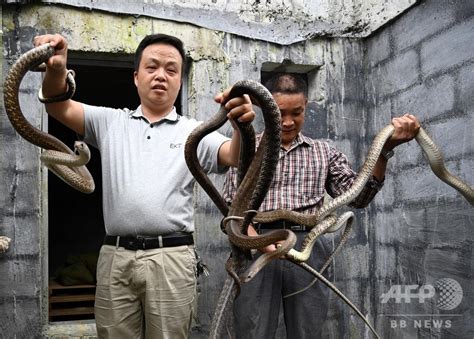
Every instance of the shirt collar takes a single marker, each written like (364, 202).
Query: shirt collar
(303, 139)
(171, 116)
(300, 140)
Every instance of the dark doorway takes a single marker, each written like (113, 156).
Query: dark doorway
(76, 227)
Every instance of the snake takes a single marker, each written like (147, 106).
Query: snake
(255, 173)
(429, 148)
(323, 221)
(249, 195)
(57, 157)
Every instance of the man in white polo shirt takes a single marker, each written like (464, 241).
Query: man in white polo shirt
(146, 275)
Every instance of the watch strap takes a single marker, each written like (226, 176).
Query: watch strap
(387, 154)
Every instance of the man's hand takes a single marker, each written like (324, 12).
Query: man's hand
(240, 108)
(251, 232)
(69, 112)
(406, 128)
(58, 61)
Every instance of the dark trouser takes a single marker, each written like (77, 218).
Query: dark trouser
(257, 308)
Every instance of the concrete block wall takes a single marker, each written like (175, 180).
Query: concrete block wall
(20, 210)
(422, 63)
(217, 61)
(415, 232)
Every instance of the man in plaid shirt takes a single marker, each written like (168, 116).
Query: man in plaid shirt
(307, 168)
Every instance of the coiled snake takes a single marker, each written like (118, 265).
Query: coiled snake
(251, 191)
(66, 164)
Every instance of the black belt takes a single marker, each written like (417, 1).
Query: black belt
(282, 224)
(147, 243)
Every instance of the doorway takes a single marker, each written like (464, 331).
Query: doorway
(76, 227)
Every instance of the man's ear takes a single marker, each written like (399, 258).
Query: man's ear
(135, 74)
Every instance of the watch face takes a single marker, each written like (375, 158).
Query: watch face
(387, 154)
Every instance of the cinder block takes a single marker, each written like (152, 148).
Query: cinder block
(21, 192)
(378, 116)
(21, 317)
(21, 277)
(454, 137)
(421, 22)
(448, 49)
(398, 74)
(351, 263)
(408, 154)
(466, 88)
(410, 229)
(427, 100)
(448, 225)
(385, 197)
(378, 47)
(424, 185)
(24, 230)
(449, 262)
(466, 172)
(350, 121)
(388, 228)
(386, 262)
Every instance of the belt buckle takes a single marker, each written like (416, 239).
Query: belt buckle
(296, 228)
(136, 244)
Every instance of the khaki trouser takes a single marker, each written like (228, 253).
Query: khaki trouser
(145, 294)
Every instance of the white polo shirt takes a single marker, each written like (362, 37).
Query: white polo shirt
(147, 187)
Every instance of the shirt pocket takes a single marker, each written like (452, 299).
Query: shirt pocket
(310, 189)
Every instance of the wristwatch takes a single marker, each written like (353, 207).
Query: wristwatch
(387, 154)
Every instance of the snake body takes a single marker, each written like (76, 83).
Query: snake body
(435, 159)
(249, 196)
(323, 221)
(255, 172)
(74, 173)
(429, 148)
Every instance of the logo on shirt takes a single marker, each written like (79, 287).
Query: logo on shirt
(175, 146)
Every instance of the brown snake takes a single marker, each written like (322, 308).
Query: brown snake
(430, 150)
(323, 221)
(57, 156)
(249, 195)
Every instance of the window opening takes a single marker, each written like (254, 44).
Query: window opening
(315, 120)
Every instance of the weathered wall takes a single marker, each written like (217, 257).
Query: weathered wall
(20, 215)
(279, 21)
(420, 228)
(356, 86)
(218, 60)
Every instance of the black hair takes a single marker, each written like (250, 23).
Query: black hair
(287, 83)
(159, 39)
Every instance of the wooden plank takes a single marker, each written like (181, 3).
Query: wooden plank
(71, 311)
(71, 298)
(53, 285)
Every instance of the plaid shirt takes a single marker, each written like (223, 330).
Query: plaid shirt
(304, 172)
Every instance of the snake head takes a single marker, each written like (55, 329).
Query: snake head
(79, 145)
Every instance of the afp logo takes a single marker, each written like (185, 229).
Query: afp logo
(447, 292)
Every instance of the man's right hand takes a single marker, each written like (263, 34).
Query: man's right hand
(252, 233)
(58, 61)
(69, 112)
